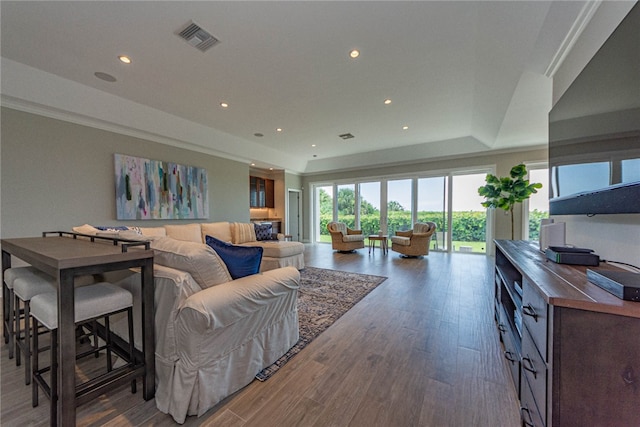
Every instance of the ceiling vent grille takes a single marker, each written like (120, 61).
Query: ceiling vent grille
(346, 136)
(197, 37)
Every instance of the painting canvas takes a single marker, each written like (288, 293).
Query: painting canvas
(152, 189)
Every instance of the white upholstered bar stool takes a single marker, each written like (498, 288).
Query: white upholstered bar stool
(92, 302)
(33, 282)
(24, 289)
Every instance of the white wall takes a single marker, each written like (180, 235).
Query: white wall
(57, 174)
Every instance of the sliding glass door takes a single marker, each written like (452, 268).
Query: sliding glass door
(369, 194)
(399, 205)
(469, 217)
(449, 200)
(432, 207)
(323, 212)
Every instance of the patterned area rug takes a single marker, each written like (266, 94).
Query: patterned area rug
(323, 297)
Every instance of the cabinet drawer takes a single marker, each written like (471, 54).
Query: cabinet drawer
(535, 316)
(534, 372)
(528, 410)
(511, 354)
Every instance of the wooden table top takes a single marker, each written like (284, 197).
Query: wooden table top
(54, 253)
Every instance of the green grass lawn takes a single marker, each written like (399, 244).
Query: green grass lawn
(476, 247)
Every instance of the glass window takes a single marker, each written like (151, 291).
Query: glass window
(469, 217)
(537, 206)
(323, 212)
(399, 201)
(346, 200)
(370, 207)
(432, 207)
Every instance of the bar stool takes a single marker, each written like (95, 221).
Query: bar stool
(92, 302)
(36, 282)
(24, 289)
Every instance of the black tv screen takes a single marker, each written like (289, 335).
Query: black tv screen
(594, 131)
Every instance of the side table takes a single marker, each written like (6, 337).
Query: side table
(383, 243)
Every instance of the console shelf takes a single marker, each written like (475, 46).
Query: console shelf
(572, 348)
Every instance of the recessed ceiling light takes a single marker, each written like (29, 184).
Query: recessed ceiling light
(104, 76)
(125, 59)
(253, 164)
(405, 127)
(278, 129)
(313, 145)
(354, 53)
(387, 101)
(224, 104)
(270, 169)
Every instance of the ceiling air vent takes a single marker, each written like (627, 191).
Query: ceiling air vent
(197, 37)
(346, 136)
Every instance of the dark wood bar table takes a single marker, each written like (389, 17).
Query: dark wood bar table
(66, 256)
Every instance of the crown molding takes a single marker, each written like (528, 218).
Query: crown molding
(583, 19)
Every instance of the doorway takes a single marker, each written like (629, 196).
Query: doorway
(293, 215)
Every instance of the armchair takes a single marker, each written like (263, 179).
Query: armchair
(343, 238)
(414, 242)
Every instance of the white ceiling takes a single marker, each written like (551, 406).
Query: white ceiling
(463, 76)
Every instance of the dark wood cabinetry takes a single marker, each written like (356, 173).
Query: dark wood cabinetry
(573, 348)
(261, 192)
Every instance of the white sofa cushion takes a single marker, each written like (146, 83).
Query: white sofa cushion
(243, 232)
(186, 232)
(278, 249)
(197, 259)
(153, 231)
(219, 230)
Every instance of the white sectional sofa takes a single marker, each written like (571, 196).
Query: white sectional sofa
(213, 334)
(277, 252)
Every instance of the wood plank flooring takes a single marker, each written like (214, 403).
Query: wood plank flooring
(420, 350)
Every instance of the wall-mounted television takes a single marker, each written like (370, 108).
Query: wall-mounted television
(594, 131)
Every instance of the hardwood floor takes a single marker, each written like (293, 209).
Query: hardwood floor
(422, 349)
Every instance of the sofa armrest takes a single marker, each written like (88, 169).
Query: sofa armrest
(408, 233)
(223, 305)
(350, 231)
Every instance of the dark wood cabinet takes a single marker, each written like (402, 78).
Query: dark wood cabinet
(573, 348)
(261, 192)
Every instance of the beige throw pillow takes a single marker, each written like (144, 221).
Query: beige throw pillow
(197, 259)
(188, 232)
(219, 230)
(243, 232)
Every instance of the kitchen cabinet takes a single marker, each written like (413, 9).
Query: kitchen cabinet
(261, 192)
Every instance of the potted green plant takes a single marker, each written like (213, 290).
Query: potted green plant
(505, 192)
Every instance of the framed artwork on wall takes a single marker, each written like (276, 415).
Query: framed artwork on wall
(153, 189)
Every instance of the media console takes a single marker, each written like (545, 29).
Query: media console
(573, 348)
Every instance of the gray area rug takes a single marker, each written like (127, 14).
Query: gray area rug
(323, 297)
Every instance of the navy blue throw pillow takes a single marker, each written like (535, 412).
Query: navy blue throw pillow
(263, 231)
(241, 261)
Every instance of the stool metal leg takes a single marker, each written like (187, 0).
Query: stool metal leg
(131, 345)
(54, 377)
(34, 366)
(15, 333)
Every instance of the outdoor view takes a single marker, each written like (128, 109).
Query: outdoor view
(468, 218)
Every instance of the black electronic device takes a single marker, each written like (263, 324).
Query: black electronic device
(570, 249)
(573, 257)
(623, 284)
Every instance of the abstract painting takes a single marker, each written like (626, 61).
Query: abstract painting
(153, 189)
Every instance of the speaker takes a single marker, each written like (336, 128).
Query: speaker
(553, 234)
